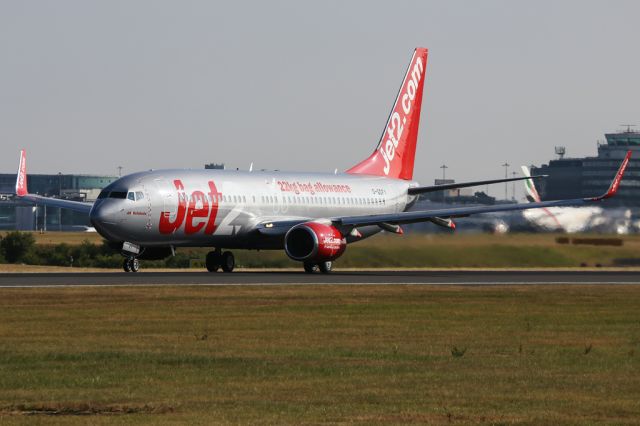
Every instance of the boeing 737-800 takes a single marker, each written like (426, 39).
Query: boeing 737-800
(311, 216)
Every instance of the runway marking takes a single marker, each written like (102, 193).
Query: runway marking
(479, 283)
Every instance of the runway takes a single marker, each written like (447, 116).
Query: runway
(374, 277)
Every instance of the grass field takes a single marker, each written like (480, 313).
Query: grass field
(434, 251)
(71, 238)
(321, 354)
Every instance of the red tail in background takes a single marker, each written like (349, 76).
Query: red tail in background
(21, 179)
(394, 156)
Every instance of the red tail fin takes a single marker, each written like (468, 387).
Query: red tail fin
(394, 156)
(21, 179)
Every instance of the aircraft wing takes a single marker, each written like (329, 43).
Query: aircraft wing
(428, 215)
(38, 200)
(435, 188)
(441, 215)
(23, 194)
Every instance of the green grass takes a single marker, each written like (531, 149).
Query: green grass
(321, 354)
(426, 250)
(463, 250)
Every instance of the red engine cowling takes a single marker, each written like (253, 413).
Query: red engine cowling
(312, 241)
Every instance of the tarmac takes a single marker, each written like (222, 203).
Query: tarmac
(364, 277)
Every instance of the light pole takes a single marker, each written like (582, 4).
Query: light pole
(59, 196)
(506, 173)
(513, 194)
(444, 169)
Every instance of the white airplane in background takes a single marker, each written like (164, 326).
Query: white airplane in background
(574, 219)
(311, 216)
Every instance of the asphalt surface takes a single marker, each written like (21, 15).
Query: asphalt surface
(340, 278)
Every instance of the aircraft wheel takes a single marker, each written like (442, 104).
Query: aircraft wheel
(228, 261)
(126, 266)
(309, 268)
(213, 261)
(325, 267)
(134, 265)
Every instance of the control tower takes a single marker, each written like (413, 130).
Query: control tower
(590, 176)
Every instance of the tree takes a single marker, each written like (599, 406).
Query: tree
(16, 245)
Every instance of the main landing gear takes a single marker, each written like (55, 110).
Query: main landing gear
(218, 259)
(131, 264)
(324, 267)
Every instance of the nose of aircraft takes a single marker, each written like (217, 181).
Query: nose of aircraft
(103, 217)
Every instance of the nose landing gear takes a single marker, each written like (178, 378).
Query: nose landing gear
(218, 259)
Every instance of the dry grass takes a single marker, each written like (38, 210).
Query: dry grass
(330, 354)
(71, 238)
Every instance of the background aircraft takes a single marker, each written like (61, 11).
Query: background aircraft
(574, 219)
(312, 216)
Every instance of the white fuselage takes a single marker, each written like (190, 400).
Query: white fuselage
(579, 219)
(222, 208)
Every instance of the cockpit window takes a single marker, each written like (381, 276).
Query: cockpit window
(139, 195)
(103, 194)
(118, 194)
(131, 196)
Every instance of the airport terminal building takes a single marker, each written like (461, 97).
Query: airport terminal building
(21, 216)
(591, 176)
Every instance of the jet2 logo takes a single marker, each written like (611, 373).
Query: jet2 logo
(332, 243)
(196, 212)
(398, 119)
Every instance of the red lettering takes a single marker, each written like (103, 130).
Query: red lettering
(166, 226)
(215, 196)
(189, 211)
(195, 212)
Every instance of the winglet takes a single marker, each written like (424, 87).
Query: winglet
(21, 179)
(613, 188)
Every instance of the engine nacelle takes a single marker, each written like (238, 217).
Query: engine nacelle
(313, 241)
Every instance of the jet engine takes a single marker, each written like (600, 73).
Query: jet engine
(314, 242)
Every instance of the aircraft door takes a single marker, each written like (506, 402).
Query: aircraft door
(168, 200)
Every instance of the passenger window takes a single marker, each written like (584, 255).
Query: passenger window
(131, 196)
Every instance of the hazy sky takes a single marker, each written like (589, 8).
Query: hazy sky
(86, 86)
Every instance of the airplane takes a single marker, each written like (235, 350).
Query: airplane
(574, 219)
(311, 216)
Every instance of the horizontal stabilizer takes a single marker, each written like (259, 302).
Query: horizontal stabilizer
(435, 188)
